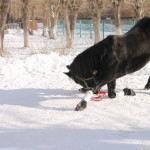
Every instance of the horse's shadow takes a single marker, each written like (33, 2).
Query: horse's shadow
(142, 91)
(33, 97)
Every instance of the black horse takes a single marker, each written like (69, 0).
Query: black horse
(112, 58)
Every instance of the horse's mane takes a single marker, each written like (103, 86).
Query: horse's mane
(91, 58)
(143, 24)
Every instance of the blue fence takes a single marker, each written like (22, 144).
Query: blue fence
(84, 27)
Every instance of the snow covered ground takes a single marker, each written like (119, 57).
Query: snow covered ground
(37, 103)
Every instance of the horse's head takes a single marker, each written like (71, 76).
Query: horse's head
(85, 68)
(87, 82)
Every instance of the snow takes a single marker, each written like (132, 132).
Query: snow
(37, 103)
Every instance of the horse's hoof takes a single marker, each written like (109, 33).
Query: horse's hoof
(129, 92)
(82, 90)
(81, 106)
(112, 95)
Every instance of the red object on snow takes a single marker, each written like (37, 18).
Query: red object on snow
(100, 95)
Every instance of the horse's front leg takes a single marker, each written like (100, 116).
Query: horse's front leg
(111, 89)
(83, 104)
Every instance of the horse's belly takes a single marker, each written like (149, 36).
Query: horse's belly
(138, 63)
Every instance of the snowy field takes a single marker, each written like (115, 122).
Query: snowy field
(37, 103)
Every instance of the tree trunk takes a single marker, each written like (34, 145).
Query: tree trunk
(25, 23)
(32, 25)
(52, 30)
(96, 25)
(49, 23)
(3, 18)
(117, 17)
(1, 42)
(73, 25)
(2, 28)
(138, 7)
(44, 24)
(26, 30)
(68, 32)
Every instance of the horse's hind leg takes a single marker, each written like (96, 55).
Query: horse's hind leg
(147, 86)
(111, 89)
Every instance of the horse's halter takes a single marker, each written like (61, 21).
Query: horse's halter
(86, 80)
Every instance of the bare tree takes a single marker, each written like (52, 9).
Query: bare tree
(96, 10)
(55, 7)
(75, 6)
(117, 15)
(26, 21)
(147, 8)
(33, 6)
(71, 9)
(65, 8)
(16, 10)
(4, 7)
(138, 7)
(45, 10)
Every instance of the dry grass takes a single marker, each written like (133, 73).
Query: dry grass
(39, 47)
(46, 45)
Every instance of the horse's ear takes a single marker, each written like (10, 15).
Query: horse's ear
(68, 67)
(68, 74)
